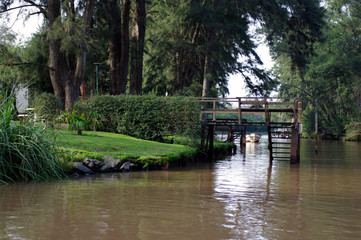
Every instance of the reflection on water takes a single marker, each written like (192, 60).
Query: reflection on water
(239, 197)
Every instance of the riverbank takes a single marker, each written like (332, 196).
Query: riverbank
(140, 154)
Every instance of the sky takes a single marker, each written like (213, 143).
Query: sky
(23, 27)
(235, 83)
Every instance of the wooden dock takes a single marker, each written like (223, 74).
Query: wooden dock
(281, 117)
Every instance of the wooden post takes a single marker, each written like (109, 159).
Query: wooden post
(214, 111)
(230, 134)
(203, 133)
(268, 124)
(211, 137)
(270, 144)
(295, 146)
(239, 111)
(241, 139)
(244, 133)
(266, 113)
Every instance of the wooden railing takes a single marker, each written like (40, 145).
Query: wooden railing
(241, 105)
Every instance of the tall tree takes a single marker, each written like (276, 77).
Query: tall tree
(332, 77)
(9, 54)
(68, 73)
(69, 26)
(137, 48)
(118, 25)
(194, 45)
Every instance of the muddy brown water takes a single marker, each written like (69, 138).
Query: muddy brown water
(238, 197)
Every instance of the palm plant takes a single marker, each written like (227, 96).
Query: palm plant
(77, 122)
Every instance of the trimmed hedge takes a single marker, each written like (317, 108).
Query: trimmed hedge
(147, 117)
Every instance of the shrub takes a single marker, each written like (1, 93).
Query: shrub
(109, 107)
(76, 122)
(26, 153)
(83, 121)
(47, 106)
(353, 131)
(146, 117)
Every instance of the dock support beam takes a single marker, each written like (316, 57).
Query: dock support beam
(295, 146)
(203, 135)
(211, 138)
(230, 134)
(243, 142)
(270, 151)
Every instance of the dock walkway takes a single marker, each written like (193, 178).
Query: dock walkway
(281, 116)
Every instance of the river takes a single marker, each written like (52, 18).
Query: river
(239, 197)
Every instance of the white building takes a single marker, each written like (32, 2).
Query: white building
(22, 98)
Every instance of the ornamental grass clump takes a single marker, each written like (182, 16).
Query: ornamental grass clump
(26, 151)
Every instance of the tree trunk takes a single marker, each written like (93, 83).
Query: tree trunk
(66, 82)
(72, 88)
(124, 59)
(115, 47)
(137, 48)
(58, 69)
(118, 46)
(207, 60)
(206, 76)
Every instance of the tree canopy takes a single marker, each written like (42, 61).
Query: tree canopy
(190, 47)
(332, 77)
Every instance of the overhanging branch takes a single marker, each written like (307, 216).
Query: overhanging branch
(14, 8)
(40, 7)
(26, 63)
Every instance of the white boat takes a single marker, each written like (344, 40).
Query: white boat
(253, 137)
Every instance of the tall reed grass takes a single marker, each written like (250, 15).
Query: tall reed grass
(27, 152)
(353, 131)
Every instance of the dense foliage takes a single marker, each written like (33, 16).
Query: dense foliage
(146, 117)
(26, 153)
(331, 82)
(47, 106)
(193, 45)
(190, 47)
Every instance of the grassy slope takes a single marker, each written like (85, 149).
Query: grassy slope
(100, 144)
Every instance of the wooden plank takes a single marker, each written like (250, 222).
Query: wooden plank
(220, 111)
(261, 102)
(282, 132)
(248, 110)
(217, 100)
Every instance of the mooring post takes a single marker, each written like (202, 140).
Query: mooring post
(268, 124)
(270, 144)
(244, 133)
(211, 138)
(230, 134)
(295, 146)
(203, 135)
(241, 140)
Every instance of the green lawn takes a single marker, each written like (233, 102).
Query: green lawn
(99, 144)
